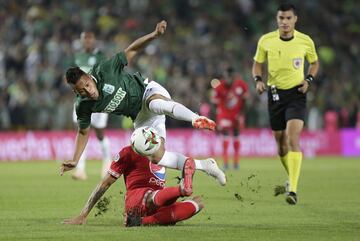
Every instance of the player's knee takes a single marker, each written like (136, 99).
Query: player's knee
(294, 143)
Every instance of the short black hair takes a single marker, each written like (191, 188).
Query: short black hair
(73, 74)
(287, 7)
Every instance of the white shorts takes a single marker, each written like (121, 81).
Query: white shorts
(98, 120)
(147, 118)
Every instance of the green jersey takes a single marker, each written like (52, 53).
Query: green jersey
(85, 61)
(120, 92)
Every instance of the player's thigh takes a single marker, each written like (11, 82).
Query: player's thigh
(296, 107)
(276, 111)
(99, 120)
(154, 88)
(135, 201)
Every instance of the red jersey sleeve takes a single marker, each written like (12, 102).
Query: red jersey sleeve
(119, 164)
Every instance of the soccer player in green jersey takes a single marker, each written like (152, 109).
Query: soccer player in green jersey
(284, 50)
(109, 88)
(85, 60)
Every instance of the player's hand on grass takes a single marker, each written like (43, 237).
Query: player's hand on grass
(160, 28)
(79, 220)
(260, 87)
(304, 86)
(67, 166)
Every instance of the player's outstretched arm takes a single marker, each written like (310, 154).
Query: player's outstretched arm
(100, 189)
(141, 42)
(80, 143)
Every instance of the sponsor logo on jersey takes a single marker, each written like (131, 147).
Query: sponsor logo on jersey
(115, 102)
(157, 182)
(297, 63)
(117, 157)
(108, 89)
(158, 171)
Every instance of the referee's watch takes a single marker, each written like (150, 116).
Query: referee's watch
(257, 78)
(309, 78)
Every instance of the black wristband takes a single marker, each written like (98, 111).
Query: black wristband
(309, 78)
(257, 78)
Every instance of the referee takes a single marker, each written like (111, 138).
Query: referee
(284, 50)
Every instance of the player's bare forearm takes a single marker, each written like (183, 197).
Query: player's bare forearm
(257, 74)
(143, 41)
(97, 194)
(257, 69)
(314, 68)
(94, 197)
(80, 143)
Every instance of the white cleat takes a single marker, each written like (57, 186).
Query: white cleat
(211, 168)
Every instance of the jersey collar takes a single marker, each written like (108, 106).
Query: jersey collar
(286, 40)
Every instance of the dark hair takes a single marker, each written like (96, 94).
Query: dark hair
(73, 74)
(287, 7)
(230, 70)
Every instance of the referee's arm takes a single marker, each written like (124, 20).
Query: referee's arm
(312, 72)
(314, 68)
(257, 75)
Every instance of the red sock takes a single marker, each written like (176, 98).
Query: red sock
(225, 151)
(166, 196)
(171, 214)
(236, 151)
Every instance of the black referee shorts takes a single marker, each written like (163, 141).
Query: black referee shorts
(291, 104)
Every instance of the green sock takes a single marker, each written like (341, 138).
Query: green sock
(294, 165)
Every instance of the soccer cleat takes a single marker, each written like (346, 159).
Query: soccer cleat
(281, 189)
(202, 122)
(291, 198)
(211, 168)
(187, 177)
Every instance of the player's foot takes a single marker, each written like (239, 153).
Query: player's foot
(291, 198)
(211, 168)
(79, 176)
(187, 177)
(281, 189)
(236, 166)
(133, 220)
(203, 122)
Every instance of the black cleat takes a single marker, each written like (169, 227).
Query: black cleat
(133, 220)
(291, 198)
(279, 189)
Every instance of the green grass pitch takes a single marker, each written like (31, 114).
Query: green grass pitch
(34, 200)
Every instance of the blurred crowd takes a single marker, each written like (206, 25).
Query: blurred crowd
(39, 37)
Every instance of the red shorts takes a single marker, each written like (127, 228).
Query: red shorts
(135, 200)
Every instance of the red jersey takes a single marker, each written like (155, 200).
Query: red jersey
(138, 171)
(230, 98)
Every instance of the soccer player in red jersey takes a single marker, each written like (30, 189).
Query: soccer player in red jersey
(147, 200)
(229, 97)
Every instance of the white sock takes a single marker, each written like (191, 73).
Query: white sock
(176, 160)
(173, 109)
(81, 164)
(105, 147)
